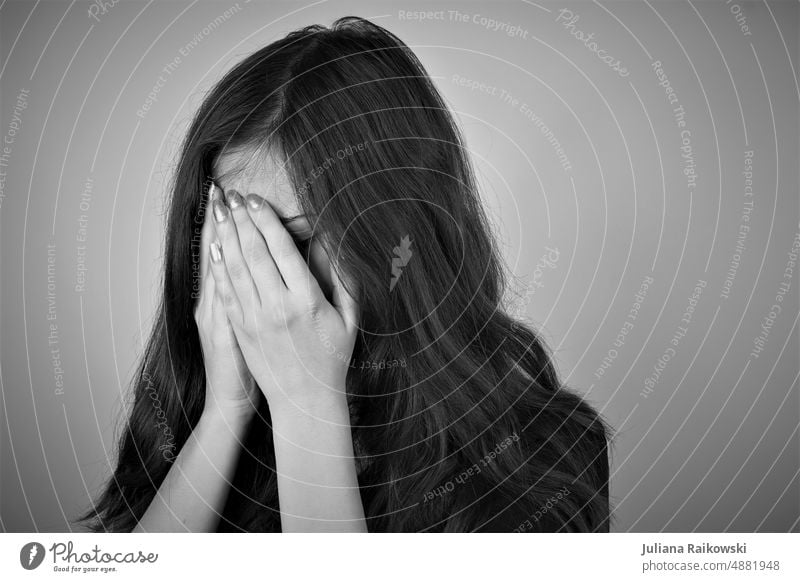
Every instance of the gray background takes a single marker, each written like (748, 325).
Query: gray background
(713, 446)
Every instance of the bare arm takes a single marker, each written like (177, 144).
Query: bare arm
(317, 481)
(193, 493)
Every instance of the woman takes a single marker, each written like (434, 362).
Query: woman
(331, 351)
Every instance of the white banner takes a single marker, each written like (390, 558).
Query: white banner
(399, 556)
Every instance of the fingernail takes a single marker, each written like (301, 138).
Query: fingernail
(216, 256)
(255, 202)
(212, 192)
(220, 210)
(235, 199)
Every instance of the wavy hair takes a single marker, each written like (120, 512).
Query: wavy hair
(458, 417)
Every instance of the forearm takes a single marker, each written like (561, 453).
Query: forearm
(193, 493)
(317, 479)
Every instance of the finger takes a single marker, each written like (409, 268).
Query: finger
(206, 234)
(343, 301)
(222, 324)
(223, 287)
(256, 255)
(238, 272)
(207, 288)
(280, 243)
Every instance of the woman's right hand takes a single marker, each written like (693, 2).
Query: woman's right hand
(230, 388)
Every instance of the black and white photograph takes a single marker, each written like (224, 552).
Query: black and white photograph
(351, 266)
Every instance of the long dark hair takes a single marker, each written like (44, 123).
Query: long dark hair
(459, 419)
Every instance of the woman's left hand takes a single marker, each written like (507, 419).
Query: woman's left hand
(296, 344)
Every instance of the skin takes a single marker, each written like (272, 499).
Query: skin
(267, 177)
(265, 318)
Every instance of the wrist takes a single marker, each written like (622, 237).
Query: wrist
(305, 397)
(326, 407)
(234, 415)
(320, 429)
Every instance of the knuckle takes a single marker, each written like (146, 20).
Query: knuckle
(279, 313)
(314, 296)
(228, 299)
(228, 238)
(236, 270)
(257, 254)
(225, 232)
(314, 308)
(302, 309)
